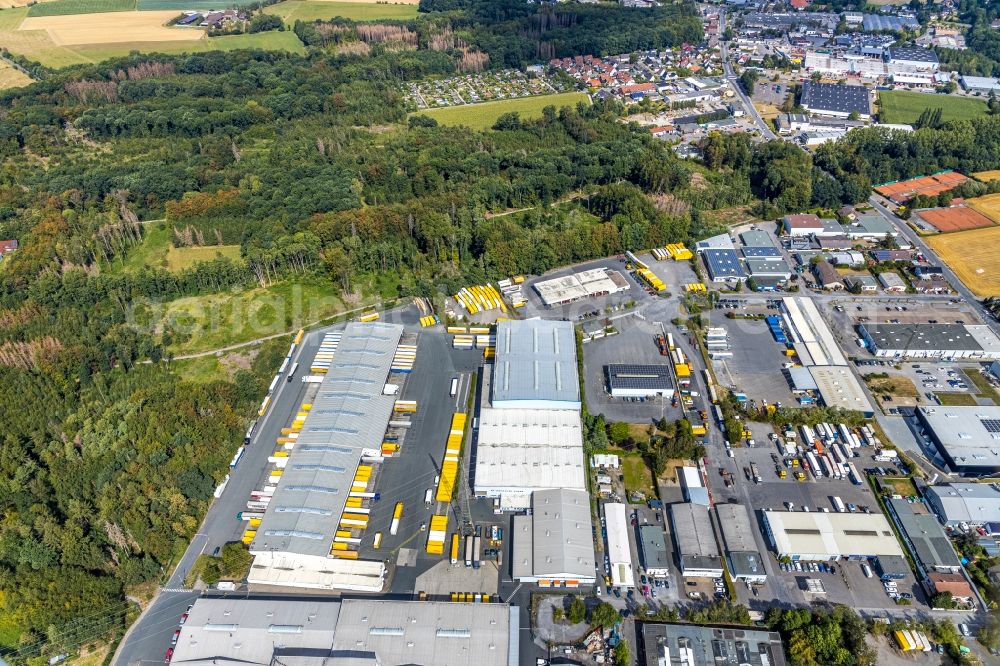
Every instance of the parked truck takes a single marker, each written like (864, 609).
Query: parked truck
(755, 472)
(477, 552)
(397, 514)
(838, 504)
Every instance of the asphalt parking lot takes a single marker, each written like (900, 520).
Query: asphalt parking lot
(755, 367)
(634, 343)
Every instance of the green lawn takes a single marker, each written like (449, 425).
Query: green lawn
(212, 321)
(638, 476)
(482, 116)
(157, 251)
(312, 10)
(986, 389)
(64, 7)
(956, 399)
(194, 5)
(896, 106)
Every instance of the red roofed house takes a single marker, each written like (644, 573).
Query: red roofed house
(638, 88)
(7, 246)
(799, 4)
(661, 130)
(802, 225)
(952, 582)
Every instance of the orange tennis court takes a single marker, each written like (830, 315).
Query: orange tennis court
(929, 186)
(958, 218)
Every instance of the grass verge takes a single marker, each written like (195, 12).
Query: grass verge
(986, 389)
(956, 399)
(312, 10)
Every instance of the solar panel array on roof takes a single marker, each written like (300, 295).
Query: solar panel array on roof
(836, 98)
(761, 252)
(626, 376)
(723, 264)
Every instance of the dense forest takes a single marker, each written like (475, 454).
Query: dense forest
(311, 165)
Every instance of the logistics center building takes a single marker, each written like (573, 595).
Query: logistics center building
(968, 438)
(818, 536)
(294, 543)
(535, 366)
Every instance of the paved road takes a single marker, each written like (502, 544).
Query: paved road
(765, 129)
(149, 637)
(917, 242)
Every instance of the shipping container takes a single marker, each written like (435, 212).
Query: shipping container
(454, 548)
(454, 387)
(469, 544)
(814, 465)
(477, 552)
(397, 514)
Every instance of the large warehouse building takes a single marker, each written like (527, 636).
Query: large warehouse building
(577, 286)
(697, 645)
(639, 381)
(957, 503)
(653, 551)
(553, 546)
(227, 631)
(817, 536)
(698, 552)
(535, 366)
(931, 341)
(818, 351)
(745, 562)
(519, 451)
(968, 438)
(293, 545)
(619, 549)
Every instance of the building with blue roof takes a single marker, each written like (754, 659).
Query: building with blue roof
(723, 265)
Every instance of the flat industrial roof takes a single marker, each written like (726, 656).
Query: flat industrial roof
(922, 337)
(529, 449)
(699, 645)
(969, 435)
(762, 266)
(839, 387)
(562, 542)
(653, 547)
(349, 416)
(692, 528)
(636, 376)
(723, 263)
(536, 362)
(759, 251)
(230, 630)
(836, 97)
(757, 238)
(573, 287)
(831, 534)
(737, 528)
(932, 546)
(912, 54)
(427, 632)
(619, 551)
(969, 502)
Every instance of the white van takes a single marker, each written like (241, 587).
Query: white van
(866, 569)
(428, 496)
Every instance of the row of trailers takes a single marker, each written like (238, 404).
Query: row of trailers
(474, 337)
(832, 450)
(287, 366)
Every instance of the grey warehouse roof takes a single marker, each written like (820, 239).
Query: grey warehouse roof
(929, 543)
(756, 238)
(965, 502)
(760, 251)
(762, 267)
(692, 527)
(709, 646)
(633, 376)
(653, 548)
(931, 337)
(970, 436)
(535, 361)
(836, 97)
(912, 54)
(723, 263)
(349, 415)
(561, 540)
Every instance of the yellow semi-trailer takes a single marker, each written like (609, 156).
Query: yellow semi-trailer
(454, 548)
(397, 514)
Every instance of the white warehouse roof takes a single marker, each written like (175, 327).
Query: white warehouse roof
(822, 536)
(619, 549)
(522, 450)
(573, 287)
(535, 365)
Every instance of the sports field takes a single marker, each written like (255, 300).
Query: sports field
(957, 218)
(974, 256)
(312, 10)
(65, 7)
(482, 116)
(898, 106)
(987, 176)
(12, 78)
(988, 205)
(930, 186)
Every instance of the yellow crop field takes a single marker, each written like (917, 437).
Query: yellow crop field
(12, 78)
(78, 29)
(974, 256)
(987, 176)
(988, 205)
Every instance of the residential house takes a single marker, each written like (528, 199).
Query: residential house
(955, 583)
(864, 284)
(6, 247)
